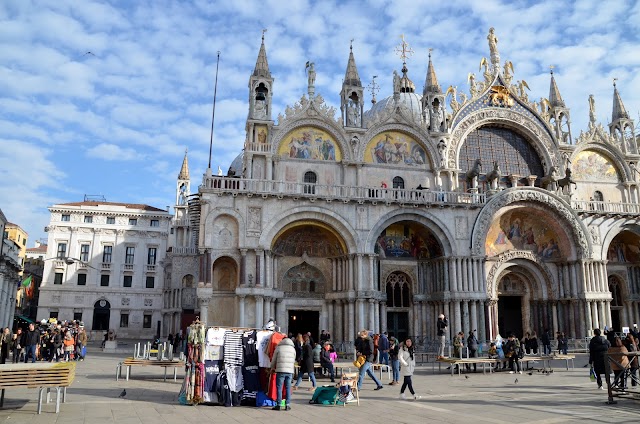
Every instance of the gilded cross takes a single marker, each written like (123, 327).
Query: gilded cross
(404, 50)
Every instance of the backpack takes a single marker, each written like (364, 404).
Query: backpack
(520, 351)
(325, 395)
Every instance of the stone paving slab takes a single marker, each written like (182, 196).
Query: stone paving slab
(562, 397)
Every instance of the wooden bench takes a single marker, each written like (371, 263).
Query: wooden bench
(134, 362)
(490, 362)
(41, 375)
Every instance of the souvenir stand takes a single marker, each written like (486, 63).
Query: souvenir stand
(230, 366)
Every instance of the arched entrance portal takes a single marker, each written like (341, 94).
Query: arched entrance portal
(398, 288)
(512, 296)
(101, 315)
(616, 287)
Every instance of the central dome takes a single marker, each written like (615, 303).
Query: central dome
(411, 101)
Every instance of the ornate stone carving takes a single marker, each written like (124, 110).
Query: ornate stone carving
(148, 302)
(255, 218)
(558, 206)
(125, 301)
(595, 234)
(55, 299)
(79, 300)
(312, 106)
(513, 255)
(462, 228)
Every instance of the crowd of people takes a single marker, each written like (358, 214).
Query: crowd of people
(45, 341)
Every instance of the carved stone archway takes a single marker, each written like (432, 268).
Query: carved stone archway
(552, 202)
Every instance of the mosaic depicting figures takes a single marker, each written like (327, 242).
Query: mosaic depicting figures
(527, 229)
(309, 143)
(407, 240)
(592, 166)
(396, 148)
(625, 247)
(313, 240)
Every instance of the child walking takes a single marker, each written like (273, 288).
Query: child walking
(408, 362)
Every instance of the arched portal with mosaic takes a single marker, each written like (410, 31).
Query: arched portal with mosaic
(307, 254)
(310, 143)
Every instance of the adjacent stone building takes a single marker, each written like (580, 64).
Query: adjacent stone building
(104, 266)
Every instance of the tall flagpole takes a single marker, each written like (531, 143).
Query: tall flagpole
(213, 114)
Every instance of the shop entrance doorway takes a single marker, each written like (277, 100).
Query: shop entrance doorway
(301, 321)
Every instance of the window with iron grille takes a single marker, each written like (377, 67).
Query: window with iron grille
(310, 179)
(513, 153)
(398, 182)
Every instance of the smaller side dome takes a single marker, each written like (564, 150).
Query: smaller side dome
(236, 167)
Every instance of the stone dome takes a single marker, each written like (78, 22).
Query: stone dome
(411, 101)
(236, 168)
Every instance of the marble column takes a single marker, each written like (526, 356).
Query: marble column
(376, 319)
(259, 270)
(482, 327)
(259, 311)
(474, 316)
(595, 315)
(607, 312)
(362, 323)
(243, 267)
(371, 285)
(475, 281)
(457, 321)
(383, 316)
(350, 318)
(465, 317)
(241, 304)
(426, 319)
(330, 315)
(554, 316)
(266, 314)
(268, 275)
(204, 310)
(350, 274)
(372, 315)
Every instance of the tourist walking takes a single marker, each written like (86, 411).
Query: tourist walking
(30, 341)
(546, 342)
(383, 347)
(598, 347)
(442, 325)
(619, 362)
(408, 362)
(563, 343)
(283, 364)
(306, 363)
(364, 347)
(512, 351)
(16, 345)
(472, 345)
(5, 344)
(394, 351)
(81, 346)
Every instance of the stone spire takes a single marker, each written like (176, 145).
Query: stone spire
(262, 66)
(619, 111)
(431, 83)
(555, 99)
(184, 171)
(351, 77)
(352, 95)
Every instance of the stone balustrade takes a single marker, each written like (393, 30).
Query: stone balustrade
(250, 187)
(605, 208)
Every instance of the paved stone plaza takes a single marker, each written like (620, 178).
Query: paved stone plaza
(564, 396)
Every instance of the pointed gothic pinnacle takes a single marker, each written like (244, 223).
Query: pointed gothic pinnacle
(262, 66)
(555, 99)
(431, 83)
(619, 111)
(351, 77)
(184, 170)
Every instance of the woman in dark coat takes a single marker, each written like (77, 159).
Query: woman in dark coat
(598, 347)
(306, 364)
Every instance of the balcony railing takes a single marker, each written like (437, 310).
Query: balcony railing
(185, 251)
(339, 192)
(606, 208)
(127, 267)
(180, 222)
(151, 268)
(106, 266)
(258, 147)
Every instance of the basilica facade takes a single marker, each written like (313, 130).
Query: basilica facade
(482, 204)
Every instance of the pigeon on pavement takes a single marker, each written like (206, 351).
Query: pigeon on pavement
(123, 394)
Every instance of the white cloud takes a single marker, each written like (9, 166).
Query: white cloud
(106, 151)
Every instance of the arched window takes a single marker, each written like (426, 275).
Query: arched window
(398, 182)
(398, 291)
(310, 180)
(597, 196)
(616, 292)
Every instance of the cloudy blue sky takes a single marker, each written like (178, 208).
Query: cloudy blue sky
(117, 121)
